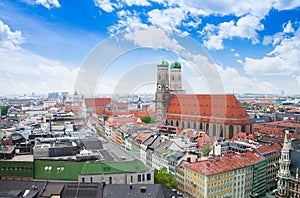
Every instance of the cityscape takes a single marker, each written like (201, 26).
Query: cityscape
(149, 98)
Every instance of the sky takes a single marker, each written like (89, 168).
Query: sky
(107, 46)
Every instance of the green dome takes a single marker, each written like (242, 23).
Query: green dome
(176, 65)
(163, 63)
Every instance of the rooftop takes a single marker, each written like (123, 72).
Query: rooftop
(176, 65)
(97, 102)
(207, 108)
(67, 170)
(224, 163)
(163, 63)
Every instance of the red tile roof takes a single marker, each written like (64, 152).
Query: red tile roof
(283, 124)
(268, 130)
(97, 102)
(202, 140)
(277, 146)
(73, 108)
(225, 163)
(243, 136)
(116, 122)
(265, 149)
(207, 108)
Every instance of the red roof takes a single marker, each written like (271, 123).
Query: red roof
(207, 108)
(97, 102)
(265, 149)
(224, 163)
(277, 146)
(73, 108)
(116, 122)
(283, 124)
(243, 136)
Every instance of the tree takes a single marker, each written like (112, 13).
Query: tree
(147, 119)
(165, 178)
(3, 110)
(206, 149)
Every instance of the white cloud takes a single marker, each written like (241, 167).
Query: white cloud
(8, 38)
(46, 3)
(105, 5)
(283, 60)
(286, 5)
(137, 2)
(176, 14)
(277, 38)
(167, 19)
(24, 72)
(153, 37)
(245, 27)
(234, 82)
(128, 22)
(298, 80)
(288, 28)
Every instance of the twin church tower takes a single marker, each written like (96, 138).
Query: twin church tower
(168, 82)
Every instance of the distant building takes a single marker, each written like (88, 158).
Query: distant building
(217, 115)
(53, 95)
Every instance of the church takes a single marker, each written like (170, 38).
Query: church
(219, 115)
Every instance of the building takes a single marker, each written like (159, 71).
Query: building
(51, 189)
(122, 172)
(288, 175)
(19, 168)
(162, 95)
(219, 177)
(217, 115)
(272, 156)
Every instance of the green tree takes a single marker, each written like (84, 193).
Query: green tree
(165, 178)
(147, 119)
(3, 110)
(205, 150)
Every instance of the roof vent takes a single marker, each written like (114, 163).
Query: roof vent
(143, 189)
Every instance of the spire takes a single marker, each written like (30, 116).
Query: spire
(285, 161)
(286, 142)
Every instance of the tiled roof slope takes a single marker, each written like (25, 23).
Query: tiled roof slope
(207, 108)
(225, 163)
(97, 102)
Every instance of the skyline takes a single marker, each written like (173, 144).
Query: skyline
(44, 44)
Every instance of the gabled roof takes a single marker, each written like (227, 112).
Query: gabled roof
(224, 163)
(207, 108)
(97, 102)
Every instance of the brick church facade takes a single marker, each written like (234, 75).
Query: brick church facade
(219, 115)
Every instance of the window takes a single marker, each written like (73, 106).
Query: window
(110, 180)
(143, 177)
(139, 178)
(230, 131)
(131, 179)
(148, 176)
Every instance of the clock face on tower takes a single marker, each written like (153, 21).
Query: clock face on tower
(159, 87)
(167, 87)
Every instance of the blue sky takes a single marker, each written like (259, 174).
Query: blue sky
(46, 44)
